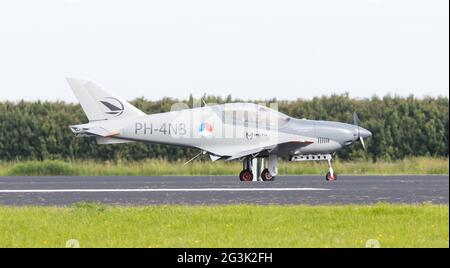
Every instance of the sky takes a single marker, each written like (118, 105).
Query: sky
(251, 49)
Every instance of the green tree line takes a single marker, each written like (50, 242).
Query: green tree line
(401, 127)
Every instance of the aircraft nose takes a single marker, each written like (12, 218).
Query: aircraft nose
(364, 133)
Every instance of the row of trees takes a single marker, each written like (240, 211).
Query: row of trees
(401, 127)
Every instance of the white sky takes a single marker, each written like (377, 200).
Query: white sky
(249, 49)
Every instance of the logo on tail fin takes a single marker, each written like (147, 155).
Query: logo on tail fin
(114, 106)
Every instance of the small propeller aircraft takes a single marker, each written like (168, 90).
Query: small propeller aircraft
(253, 133)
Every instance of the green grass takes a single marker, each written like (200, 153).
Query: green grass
(95, 225)
(41, 168)
(417, 165)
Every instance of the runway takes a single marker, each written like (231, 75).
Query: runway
(198, 190)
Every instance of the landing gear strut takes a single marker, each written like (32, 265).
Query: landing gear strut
(246, 173)
(331, 176)
(253, 169)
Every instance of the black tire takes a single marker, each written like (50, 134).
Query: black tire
(246, 175)
(328, 177)
(265, 175)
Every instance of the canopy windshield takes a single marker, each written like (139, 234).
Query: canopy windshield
(254, 115)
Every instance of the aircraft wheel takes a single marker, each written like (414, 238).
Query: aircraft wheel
(331, 178)
(246, 175)
(265, 175)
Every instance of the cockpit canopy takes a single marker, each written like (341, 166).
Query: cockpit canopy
(254, 115)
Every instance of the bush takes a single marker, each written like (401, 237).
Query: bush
(402, 127)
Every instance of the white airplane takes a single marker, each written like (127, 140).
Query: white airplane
(245, 131)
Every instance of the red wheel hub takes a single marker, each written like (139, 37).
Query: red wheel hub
(246, 175)
(266, 176)
(330, 177)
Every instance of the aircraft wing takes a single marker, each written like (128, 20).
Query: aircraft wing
(290, 147)
(281, 147)
(245, 153)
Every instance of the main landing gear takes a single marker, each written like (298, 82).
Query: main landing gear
(265, 175)
(253, 169)
(246, 175)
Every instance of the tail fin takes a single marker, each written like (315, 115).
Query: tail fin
(100, 104)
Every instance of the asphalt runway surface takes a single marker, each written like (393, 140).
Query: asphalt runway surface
(198, 190)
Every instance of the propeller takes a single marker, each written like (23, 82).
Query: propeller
(356, 122)
(362, 143)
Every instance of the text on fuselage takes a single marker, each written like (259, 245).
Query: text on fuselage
(163, 128)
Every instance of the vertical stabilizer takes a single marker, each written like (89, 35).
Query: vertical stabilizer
(100, 104)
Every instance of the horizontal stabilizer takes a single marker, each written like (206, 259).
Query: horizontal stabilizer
(87, 130)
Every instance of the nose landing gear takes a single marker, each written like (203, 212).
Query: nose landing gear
(331, 176)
